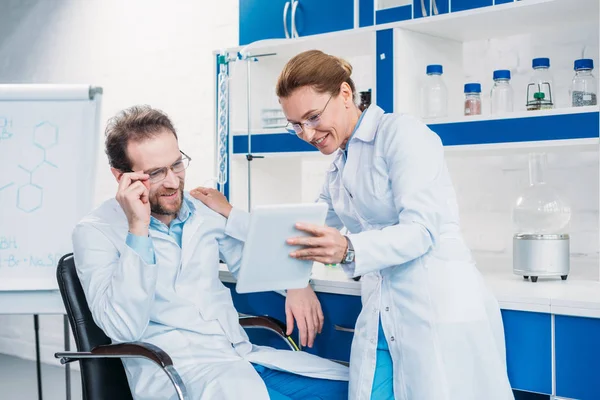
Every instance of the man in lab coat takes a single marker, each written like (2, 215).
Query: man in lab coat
(148, 263)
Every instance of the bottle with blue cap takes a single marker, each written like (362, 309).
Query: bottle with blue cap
(434, 95)
(584, 86)
(539, 90)
(472, 99)
(502, 93)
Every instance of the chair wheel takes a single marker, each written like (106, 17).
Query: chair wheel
(534, 279)
(564, 277)
(525, 277)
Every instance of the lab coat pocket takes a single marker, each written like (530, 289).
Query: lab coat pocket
(455, 291)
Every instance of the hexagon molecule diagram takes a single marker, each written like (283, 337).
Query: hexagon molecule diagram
(45, 135)
(30, 196)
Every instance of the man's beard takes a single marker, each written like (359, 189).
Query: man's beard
(156, 208)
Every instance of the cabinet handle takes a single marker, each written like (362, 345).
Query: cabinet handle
(435, 9)
(294, 8)
(285, 11)
(342, 329)
(423, 9)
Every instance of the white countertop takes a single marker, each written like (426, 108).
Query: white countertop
(579, 295)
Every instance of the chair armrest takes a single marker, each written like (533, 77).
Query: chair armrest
(135, 349)
(269, 323)
(121, 350)
(131, 350)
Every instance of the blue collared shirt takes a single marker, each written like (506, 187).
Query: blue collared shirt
(143, 245)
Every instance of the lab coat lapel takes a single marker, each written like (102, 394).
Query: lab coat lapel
(190, 229)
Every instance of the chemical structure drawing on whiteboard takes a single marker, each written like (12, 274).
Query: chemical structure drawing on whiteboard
(5, 127)
(30, 196)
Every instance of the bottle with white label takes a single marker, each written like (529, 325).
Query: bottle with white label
(584, 85)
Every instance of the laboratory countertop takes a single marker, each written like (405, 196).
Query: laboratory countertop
(579, 295)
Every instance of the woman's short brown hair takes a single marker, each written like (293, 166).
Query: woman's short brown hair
(135, 124)
(323, 72)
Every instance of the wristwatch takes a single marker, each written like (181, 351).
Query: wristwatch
(349, 255)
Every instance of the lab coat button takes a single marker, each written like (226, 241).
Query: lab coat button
(373, 341)
(387, 309)
(392, 339)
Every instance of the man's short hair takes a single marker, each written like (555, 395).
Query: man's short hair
(133, 124)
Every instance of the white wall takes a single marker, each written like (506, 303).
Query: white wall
(156, 52)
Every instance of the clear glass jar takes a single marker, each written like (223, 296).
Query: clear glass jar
(472, 99)
(540, 209)
(584, 86)
(539, 90)
(434, 94)
(502, 93)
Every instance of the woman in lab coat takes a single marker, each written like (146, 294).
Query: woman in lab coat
(429, 328)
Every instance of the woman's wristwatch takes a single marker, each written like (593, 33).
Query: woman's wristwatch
(349, 254)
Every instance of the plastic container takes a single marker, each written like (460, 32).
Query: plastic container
(434, 94)
(472, 99)
(502, 93)
(539, 89)
(584, 86)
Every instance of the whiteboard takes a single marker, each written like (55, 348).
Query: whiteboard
(49, 137)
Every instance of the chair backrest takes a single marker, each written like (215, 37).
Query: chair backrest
(100, 378)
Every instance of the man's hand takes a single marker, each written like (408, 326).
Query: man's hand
(133, 196)
(213, 199)
(303, 305)
(326, 245)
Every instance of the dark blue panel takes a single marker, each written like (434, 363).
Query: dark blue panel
(393, 14)
(504, 1)
(366, 12)
(528, 350)
(262, 19)
(551, 127)
(341, 310)
(577, 342)
(318, 16)
(462, 5)
(443, 7)
(419, 12)
(272, 143)
(385, 70)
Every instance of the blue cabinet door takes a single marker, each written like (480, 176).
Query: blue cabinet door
(577, 352)
(462, 5)
(262, 19)
(421, 8)
(428, 8)
(317, 16)
(340, 312)
(528, 338)
(395, 14)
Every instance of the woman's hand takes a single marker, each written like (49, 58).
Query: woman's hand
(303, 306)
(326, 245)
(213, 199)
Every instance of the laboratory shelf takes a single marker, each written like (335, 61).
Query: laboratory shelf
(571, 129)
(503, 20)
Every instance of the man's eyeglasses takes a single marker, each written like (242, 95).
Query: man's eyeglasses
(178, 166)
(296, 128)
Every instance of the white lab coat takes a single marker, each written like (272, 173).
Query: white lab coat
(443, 326)
(180, 305)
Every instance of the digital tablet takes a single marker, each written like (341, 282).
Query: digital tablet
(266, 263)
